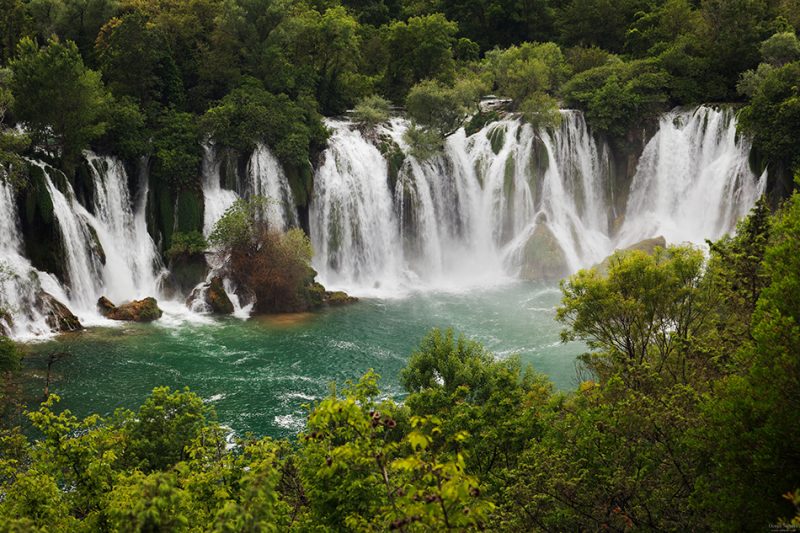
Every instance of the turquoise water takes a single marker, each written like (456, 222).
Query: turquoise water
(259, 373)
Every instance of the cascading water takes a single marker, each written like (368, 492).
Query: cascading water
(509, 200)
(106, 253)
(79, 241)
(693, 181)
(512, 200)
(21, 315)
(216, 199)
(353, 223)
(132, 260)
(267, 179)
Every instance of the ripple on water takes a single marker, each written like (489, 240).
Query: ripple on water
(259, 373)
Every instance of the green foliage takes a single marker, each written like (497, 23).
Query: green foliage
(176, 148)
(754, 417)
(249, 115)
(423, 143)
(371, 111)
(780, 49)
(600, 23)
(437, 106)
(541, 111)
(688, 422)
(10, 355)
(530, 68)
(57, 97)
(773, 115)
(616, 96)
(162, 429)
(421, 49)
(12, 143)
(239, 225)
(135, 61)
(186, 244)
(274, 265)
(638, 316)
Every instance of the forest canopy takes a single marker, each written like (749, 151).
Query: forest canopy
(146, 77)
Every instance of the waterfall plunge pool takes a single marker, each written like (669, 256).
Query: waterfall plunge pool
(259, 373)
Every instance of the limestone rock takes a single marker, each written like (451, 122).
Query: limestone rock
(648, 246)
(57, 315)
(145, 310)
(542, 257)
(213, 295)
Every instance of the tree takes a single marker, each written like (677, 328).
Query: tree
(135, 61)
(753, 420)
(773, 115)
(600, 23)
(12, 143)
(60, 100)
(250, 114)
(371, 111)
(272, 265)
(640, 316)
(437, 106)
(176, 148)
(421, 49)
(780, 49)
(618, 95)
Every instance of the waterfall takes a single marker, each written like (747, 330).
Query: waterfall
(354, 229)
(266, 178)
(106, 253)
(217, 200)
(507, 201)
(132, 260)
(79, 241)
(693, 181)
(515, 201)
(20, 283)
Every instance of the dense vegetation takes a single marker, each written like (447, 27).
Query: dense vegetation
(687, 419)
(271, 265)
(153, 77)
(688, 414)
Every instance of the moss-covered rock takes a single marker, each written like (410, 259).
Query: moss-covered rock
(217, 299)
(41, 236)
(301, 181)
(145, 310)
(542, 256)
(479, 120)
(189, 211)
(497, 138)
(394, 157)
(338, 298)
(316, 294)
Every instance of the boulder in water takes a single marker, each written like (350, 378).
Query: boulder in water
(542, 257)
(648, 246)
(145, 310)
(213, 295)
(337, 298)
(57, 315)
(320, 297)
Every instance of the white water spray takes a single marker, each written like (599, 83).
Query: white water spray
(693, 181)
(510, 198)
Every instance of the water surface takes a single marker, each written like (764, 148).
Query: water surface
(259, 373)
